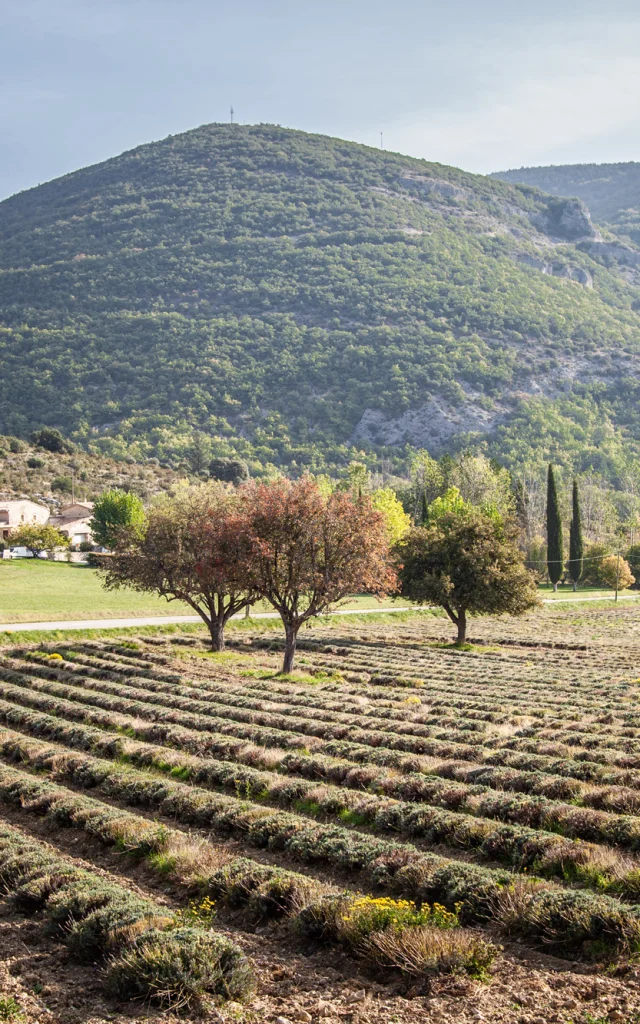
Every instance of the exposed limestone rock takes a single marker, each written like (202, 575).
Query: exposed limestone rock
(615, 250)
(556, 269)
(568, 219)
(430, 426)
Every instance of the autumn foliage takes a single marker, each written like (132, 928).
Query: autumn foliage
(309, 551)
(220, 550)
(194, 549)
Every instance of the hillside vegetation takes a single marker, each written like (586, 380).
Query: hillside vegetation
(296, 299)
(27, 470)
(610, 191)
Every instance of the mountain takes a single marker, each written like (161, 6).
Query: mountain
(299, 300)
(610, 191)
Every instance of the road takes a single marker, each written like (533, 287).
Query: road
(166, 620)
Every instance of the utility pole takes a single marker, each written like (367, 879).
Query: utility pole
(231, 112)
(617, 574)
(381, 143)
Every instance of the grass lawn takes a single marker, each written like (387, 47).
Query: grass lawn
(34, 591)
(546, 592)
(39, 591)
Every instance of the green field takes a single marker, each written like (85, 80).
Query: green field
(33, 591)
(565, 593)
(39, 591)
(42, 591)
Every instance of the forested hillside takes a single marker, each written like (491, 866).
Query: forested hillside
(296, 299)
(610, 191)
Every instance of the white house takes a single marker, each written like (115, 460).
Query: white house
(14, 514)
(73, 522)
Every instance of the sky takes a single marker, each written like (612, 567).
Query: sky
(482, 84)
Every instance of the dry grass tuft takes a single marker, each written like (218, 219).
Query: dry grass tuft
(426, 951)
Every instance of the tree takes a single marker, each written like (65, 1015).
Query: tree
(64, 484)
(37, 538)
(633, 558)
(615, 572)
(192, 548)
(554, 531)
(592, 563)
(310, 550)
(576, 543)
(483, 482)
(115, 511)
(52, 441)
(466, 561)
(230, 471)
(199, 452)
(398, 521)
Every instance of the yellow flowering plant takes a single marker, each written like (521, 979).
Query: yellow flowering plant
(369, 914)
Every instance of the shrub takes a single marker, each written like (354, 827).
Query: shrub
(64, 484)
(633, 558)
(615, 569)
(180, 969)
(232, 471)
(593, 558)
(34, 462)
(373, 914)
(51, 440)
(427, 950)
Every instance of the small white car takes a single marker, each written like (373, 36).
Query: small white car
(20, 552)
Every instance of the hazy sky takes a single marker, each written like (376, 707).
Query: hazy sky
(484, 85)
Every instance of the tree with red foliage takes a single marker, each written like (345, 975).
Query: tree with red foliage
(193, 548)
(310, 551)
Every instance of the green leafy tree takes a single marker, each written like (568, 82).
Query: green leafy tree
(555, 544)
(64, 484)
(576, 542)
(36, 538)
(398, 522)
(633, 558)
(199, 452)
(192, 548)
(467, 562)
(230, 471)
(113, 512)
(594, 556)
(52, 441)
(615, 571)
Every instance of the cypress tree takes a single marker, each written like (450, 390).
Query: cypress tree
(576, 543)
(424, 510)
(520, 500)
(554, 531)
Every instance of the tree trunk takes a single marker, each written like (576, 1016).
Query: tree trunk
(462, 627)
(575, 586)
(291, 635)
(216, 628)
(555, 587)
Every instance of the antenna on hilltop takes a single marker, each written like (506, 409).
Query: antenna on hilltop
(381, 143)
(231, 112)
